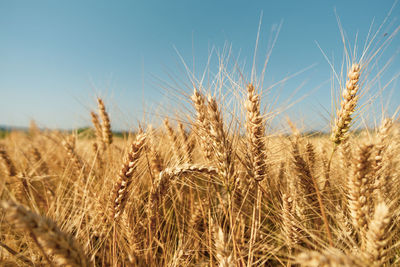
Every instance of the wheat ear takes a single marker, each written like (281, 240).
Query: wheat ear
(33, 128)
(222, 253)
(187, 144)
(173, 139)
(7, 162)
(309, 184)
(381, 182)
(346, 154)
(57, 245)
(125, 175)
(255, 134)
(77, 162)
(106, 125)
(156, 160)
(187, 168)
(327, 258)
(17, 255)
(381, 143)
(303, 173)
(98, 129)
(377, 235)
(358, 191)
(347, 106)
(290, 229)
(202, 125)
(221, 144)
(37, 156)
(162, 184)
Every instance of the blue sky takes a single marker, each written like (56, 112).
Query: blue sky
(56, 56)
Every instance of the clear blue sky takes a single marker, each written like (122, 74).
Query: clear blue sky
(56, 56)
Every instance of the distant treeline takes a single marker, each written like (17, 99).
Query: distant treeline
(84, 132)
(88, 132)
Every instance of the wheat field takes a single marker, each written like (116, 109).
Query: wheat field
(204, 190)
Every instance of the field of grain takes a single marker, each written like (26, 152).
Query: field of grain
(204, 190)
